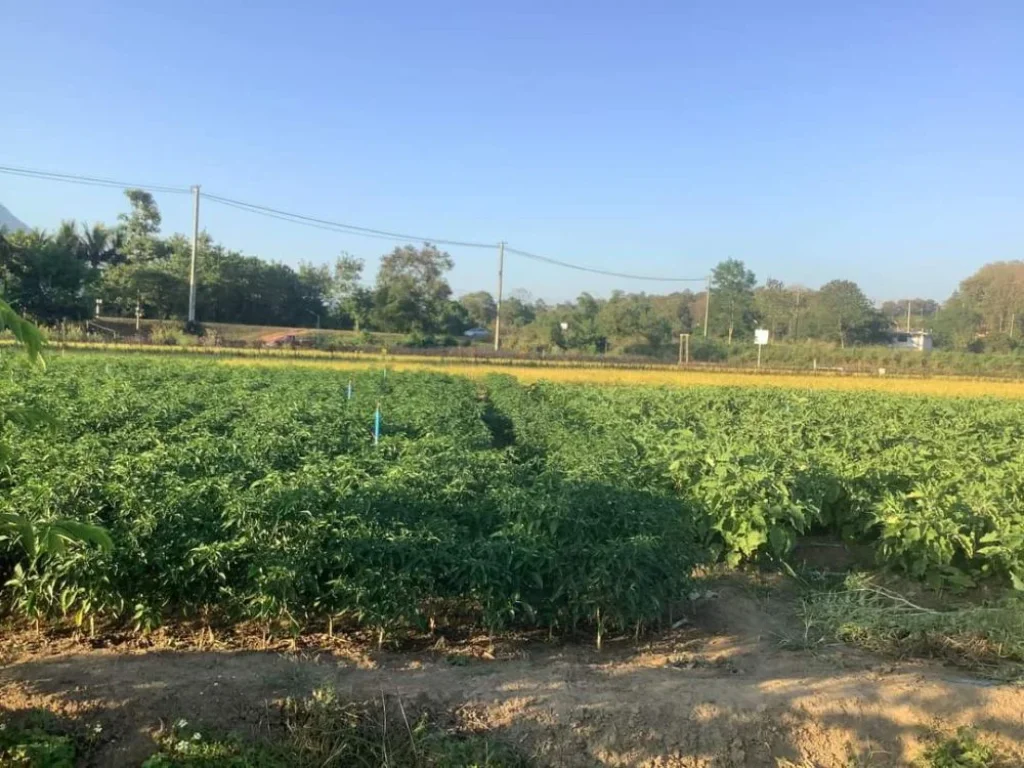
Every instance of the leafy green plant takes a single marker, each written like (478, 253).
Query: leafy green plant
(963, 750)
(249, 494)
(44, 536)
(34, 739)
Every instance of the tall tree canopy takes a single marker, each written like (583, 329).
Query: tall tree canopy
(732, 298)
(139, 228)
(481, 308)
(996, 293)
(58, 276)
(412, 293)
(842, 312)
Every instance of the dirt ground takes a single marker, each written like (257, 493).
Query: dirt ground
(721, 691)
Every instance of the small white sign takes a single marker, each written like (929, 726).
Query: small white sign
(761, 336)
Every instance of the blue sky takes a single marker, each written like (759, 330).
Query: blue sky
(877, 141)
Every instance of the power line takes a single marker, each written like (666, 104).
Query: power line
(334, 226)
(594, 270)
(87, 180)
(338, 226)
(326, 224)
(315, 225)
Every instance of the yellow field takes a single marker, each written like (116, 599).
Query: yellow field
(944, 387)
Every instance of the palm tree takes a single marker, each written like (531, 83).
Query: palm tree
(66, 236)
(99, 245)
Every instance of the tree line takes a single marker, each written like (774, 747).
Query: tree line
(130, 267)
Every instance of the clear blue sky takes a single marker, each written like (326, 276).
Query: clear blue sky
(877, 141)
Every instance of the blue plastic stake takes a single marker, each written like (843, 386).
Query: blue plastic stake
(350, 389)
(376, 425)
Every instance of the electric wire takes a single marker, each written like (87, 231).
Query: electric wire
(88, 180)
(332, 226)
(596, 271)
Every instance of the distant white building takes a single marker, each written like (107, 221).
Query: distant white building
(918, 341)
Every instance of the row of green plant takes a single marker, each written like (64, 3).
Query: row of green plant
(937, 484)
(804, 355)
(984, 358)
(247, 494)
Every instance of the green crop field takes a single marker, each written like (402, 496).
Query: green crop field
(239, 493)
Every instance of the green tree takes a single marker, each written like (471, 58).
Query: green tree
(773, 304)
(359, 307)
(161, 292)
(139, 228)
(453, 318)
(481, 307)
(921, 312)
(44, 276)
(633, 315)
(732, 297)
(99, 245)
(346, 277)
(517, 312)
(843, 313)
(996, 293)
(956, 323)
(317, 281)
(802, 299)
(588, 306)
(412, 293)
(676, 308)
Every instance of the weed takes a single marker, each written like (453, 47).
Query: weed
(322, 730)
(987, 638)
(36, 741)
(964, 750)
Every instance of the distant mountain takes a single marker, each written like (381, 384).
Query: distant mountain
(10, 222)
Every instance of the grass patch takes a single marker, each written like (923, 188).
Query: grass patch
(986, 638)
(317, 731)
(323, 730)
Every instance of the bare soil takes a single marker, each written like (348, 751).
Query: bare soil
(721, 691)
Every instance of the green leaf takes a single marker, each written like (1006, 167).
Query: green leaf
(24, 331)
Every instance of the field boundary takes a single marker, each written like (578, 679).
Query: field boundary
(432, 358)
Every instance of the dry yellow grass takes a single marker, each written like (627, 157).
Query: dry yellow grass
(937, 386)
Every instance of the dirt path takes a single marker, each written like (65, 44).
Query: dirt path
(720, 694)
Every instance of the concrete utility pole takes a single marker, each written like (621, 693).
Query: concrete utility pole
(909, 304)
(707, 307)
(684, 343)
(501, 277)
(195, 247)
